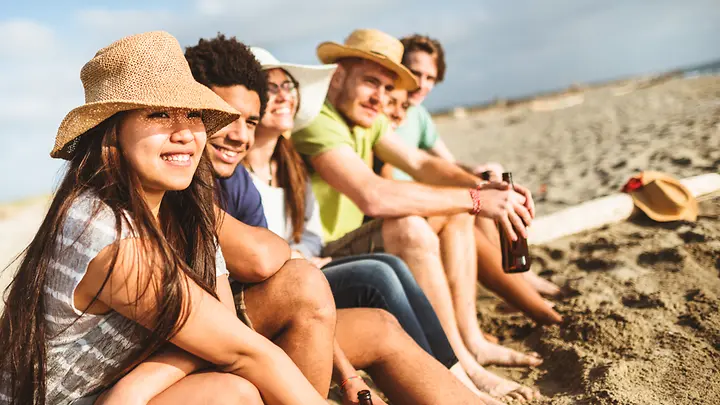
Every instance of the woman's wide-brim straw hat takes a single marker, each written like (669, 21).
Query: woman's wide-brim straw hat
(147, 70)
(661, 197)
(375, 46)
(312, 80)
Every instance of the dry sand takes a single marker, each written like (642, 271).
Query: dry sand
(19, 222)
(642, 323)
(589, 150)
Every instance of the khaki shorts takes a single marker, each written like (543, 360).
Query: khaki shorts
(366, 239)
(238, 290)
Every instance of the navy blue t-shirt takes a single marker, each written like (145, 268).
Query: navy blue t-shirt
(241, 199)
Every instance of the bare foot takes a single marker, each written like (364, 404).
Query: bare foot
(505, 308)
(499, 387)
(490, 353)
(462, 376)
(543, 286)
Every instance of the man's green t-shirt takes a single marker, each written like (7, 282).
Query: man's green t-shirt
(418, 131)
(328, 131)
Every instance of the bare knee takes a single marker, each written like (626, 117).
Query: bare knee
(392, 337)
(411, 232)
(228, 388)
(312, 297)
(462, 219)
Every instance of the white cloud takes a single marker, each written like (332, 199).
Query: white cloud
(25, 39)
(111, 25)
(493, 48)
(211, 7)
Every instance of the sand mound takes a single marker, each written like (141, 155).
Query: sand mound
(642, 323)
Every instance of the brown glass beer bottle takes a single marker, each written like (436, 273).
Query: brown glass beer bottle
(515, 255)
(364, 397)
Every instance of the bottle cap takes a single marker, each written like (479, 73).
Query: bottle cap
(364, 394)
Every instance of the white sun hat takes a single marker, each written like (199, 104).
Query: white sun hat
(312, 80)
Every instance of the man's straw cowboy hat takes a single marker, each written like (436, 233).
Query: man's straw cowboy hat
(141, 71)
(375, 46)
(661, 197)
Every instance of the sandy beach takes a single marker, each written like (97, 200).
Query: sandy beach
(642, 323)
(641, 317)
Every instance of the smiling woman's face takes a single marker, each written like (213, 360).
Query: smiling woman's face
(163, 146)
(282, 102)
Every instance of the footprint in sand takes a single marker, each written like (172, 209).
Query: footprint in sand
(642, 301)
(556, 254)
(692, 237)
(594, 264)
(620, 164)
(669, 259)
(683, 161)
(600, 244)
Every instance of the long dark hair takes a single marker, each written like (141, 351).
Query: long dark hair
(182, 241)
(292, 177)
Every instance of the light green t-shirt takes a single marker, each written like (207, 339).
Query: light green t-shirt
(418, 131)
(339, 215)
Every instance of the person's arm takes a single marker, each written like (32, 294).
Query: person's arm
(211, 332)
(343, 170)
(253, 254)
(163, 369)
(421, 165)
(345, 373)
(441, 150)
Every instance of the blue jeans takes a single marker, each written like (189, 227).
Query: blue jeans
(384, 281)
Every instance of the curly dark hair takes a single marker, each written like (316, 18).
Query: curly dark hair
(227, 62)
(429, 45)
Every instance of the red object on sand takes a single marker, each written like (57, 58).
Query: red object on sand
(635, 183)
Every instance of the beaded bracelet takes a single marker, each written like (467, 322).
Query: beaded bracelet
(477, 202)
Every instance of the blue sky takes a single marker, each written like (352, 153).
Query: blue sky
(495, 48)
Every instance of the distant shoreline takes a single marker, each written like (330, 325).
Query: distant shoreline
(709, 68)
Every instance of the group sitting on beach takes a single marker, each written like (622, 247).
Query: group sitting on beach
(233, 229)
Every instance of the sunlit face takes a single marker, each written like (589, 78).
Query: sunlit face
(227, 147)
(424, 67)
(363, 89)
(397, 106)
(282, 102)
(163, 146)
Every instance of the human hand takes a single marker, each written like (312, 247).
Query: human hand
(505, 206)
(529, 202)
(495, 170)
(320, 262)
(351, 390)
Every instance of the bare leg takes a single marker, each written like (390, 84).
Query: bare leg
(457, 249)
(414, 241)
(296, 310)
(541, 285)
(457, 245)
(210, 388)
(373, 340)
(512, 288)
